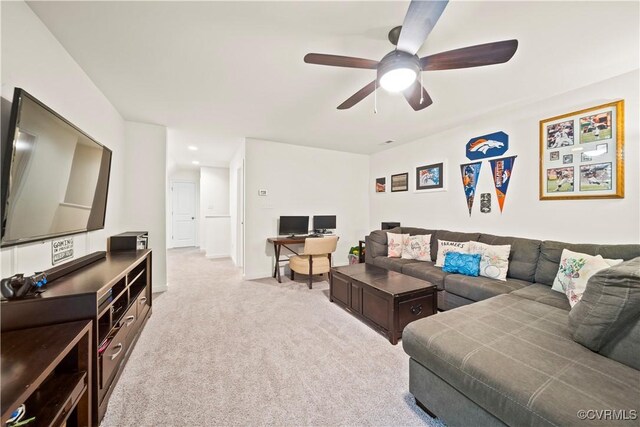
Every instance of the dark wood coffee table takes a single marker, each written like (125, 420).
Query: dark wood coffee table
(386, 300)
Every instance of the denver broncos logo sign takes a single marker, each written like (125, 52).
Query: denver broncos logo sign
(492, 145)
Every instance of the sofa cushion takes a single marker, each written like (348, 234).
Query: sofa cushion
(426, 270)
(545, 295)
(516, 359)
(495, 259)
(466, 264)
(376, 242)
(550, 252)
(480, 288)
(452, 236)
(446, 246)
(415, 231)
(377, 239)
(523, 257)
(395, 243)
(575, 270)
(393, 264)
(417, 247)
(380, 236)
(609, 305)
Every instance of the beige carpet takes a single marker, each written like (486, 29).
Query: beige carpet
(222, 351)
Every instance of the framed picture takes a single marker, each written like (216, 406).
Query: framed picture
(560, 180)
(595, 136)
(381, 185)
(400, 182)
(430, 177)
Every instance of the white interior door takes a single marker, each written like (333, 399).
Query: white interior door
(183, 232)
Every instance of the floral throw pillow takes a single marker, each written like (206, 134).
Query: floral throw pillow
(495, 259)
(395, 243)
(445, 246)
(417, 247)
(575, 270)
(467, 264)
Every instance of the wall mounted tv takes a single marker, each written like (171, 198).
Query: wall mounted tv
(55, 178)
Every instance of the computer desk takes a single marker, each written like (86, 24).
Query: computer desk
(279, 242)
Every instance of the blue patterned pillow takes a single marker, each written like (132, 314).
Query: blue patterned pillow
(467, 264)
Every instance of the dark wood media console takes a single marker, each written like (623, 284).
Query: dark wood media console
(114, 292)
(48, 369)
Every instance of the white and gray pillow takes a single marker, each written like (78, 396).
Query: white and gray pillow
(417, 247)
(495, 259)
(446, 246)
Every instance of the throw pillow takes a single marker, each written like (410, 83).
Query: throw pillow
(417, 247)
(495, 259)
(445, 246)
(575, 270)
(608, 313)
(467, 264)
(394, 244)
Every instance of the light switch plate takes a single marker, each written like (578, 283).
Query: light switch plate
(262, 192)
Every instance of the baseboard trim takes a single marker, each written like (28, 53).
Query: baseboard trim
(217, 256)
(160, 288)
(254, 277)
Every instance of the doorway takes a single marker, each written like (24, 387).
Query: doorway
(183, 214)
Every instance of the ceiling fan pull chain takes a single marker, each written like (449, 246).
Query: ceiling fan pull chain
(421, 89)
(375, 101)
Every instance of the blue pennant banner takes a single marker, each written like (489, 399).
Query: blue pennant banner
(470, 173)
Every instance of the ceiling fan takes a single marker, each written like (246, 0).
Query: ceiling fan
(398, 70)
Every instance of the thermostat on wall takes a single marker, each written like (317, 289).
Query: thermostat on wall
(262, 192)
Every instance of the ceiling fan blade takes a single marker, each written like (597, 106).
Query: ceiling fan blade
(340, 61)
(359, 95)
(412, 94)
(418, 23)
(472, 56)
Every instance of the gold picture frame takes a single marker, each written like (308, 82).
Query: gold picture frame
(582, 154)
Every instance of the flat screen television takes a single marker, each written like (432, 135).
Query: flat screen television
(292, 225)
(324, 222)
(55, 177)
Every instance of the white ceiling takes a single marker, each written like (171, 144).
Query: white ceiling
(216, 72)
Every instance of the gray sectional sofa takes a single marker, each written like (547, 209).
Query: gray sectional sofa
(513, 353)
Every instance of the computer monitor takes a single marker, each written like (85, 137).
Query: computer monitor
(389, 225)
(324, 222)
(292, 225)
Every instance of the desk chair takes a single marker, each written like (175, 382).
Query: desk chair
(316, 257)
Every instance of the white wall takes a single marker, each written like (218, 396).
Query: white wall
(183, 175)
(145, 195)
(236, 205)
(214, 211)
(301, 181)
(35, 61)
(591, 221)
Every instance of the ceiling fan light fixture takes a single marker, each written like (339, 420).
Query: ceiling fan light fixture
(398, 70)
(398, 79)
